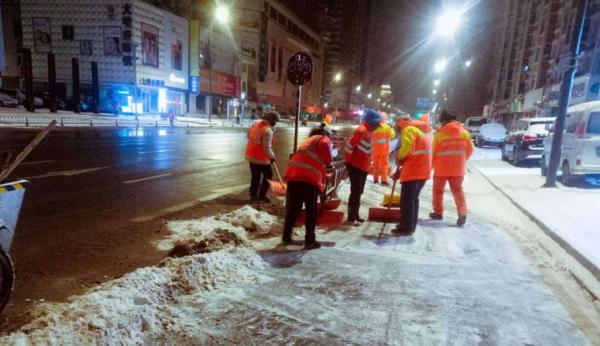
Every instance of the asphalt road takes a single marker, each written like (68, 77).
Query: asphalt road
(88, 186)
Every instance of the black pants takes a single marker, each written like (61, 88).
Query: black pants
(409, 204)
(258, 172)
(358, 179)
(298, 194)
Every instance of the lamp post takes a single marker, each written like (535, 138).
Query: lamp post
(222, 16)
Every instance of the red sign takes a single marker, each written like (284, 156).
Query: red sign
(222, 84)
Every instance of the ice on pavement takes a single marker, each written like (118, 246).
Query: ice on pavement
(252, 220)
(444, 285)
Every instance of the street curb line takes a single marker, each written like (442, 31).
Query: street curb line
(595, 271)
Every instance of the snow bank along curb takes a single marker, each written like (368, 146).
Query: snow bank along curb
(150, 303)
(564, 244)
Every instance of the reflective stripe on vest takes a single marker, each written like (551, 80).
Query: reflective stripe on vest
(452, 153)
(383, 140)
(311, 151)
(367, 151)
(306, 166)
(420, 152)
(348, 148)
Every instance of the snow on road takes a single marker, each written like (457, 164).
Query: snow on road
(444, 285)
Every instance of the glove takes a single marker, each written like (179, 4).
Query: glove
(396, 175)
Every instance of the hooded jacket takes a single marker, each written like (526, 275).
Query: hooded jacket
(452, 147)
(415, 153)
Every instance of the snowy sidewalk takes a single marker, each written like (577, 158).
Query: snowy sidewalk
(442, 286)
(569, 215)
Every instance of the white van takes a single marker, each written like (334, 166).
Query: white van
(472, 124)
(580, 149)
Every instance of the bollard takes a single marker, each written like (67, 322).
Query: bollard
(91, 122)
(116, 122)
(61, 122)
(26, 121)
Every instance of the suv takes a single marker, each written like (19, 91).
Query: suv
(526, 141)
(472, 124)
(580, 147)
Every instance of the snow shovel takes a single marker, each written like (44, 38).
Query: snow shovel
(385, 214)
(277, 188)
(325, 218)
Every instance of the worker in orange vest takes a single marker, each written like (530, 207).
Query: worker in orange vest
(357, 156)
(305, 175)
(452, 147)
(414, 157)
(260, 155)
(326, 121)
(381, 151)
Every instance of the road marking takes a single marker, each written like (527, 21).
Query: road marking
(29, 163)
(158, 176)
(67, 173)
(156, 151)
(216, 194)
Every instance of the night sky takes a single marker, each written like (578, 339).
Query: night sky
(405, 47)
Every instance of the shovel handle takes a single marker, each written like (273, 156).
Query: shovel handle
(277, 171)
(393, 189)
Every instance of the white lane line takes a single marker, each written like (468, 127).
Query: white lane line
(216, 194)
(156, 151)
(158, 176)
(29, 163)
(67, 173)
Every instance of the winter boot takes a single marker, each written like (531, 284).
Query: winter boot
(435, 216)
(462, 219)
(312, 246)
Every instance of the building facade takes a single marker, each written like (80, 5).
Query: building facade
(534, 54)
(141, 52)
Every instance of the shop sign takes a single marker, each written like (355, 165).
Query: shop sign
(127, 26)
(194, 84)
(262, 50)
(152, 82)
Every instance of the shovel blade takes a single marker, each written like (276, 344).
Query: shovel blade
(326, 218)
(277, 188)
(384, 215)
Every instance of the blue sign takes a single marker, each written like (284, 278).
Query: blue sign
(195, 84)
(423, 102)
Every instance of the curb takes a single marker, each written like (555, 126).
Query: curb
(592, 268)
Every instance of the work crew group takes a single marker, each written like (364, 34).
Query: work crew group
(367, 151)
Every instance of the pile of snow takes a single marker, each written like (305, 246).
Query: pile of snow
(216, 232)
(144, 306)
(252, 220)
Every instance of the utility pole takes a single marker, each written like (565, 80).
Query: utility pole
(565, 94)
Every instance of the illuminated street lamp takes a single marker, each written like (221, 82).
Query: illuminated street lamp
(326, 105)
(449, 22)
(434, 91)
(370, 95)
(436, 82)
(378, 100)
(440, 65)
(358, 88)
(221, 15)
(384, 104)
(338, 77)
(468, 63)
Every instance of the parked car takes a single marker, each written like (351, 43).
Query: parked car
(60, 104)
(580, 147)
(7, 100)
(526, 140)
(490, 134)
(472, 124)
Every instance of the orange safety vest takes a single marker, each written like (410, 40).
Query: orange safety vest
(358, 149)
(381, 139)
(309, 161)
(452, 147)
(415, 151)
(255, 153)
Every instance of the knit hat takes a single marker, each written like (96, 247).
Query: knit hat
(372, 118)
(446, 116)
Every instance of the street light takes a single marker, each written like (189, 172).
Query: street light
(449, 22)
(436, 82)
(338, 77)
(440, 65)
(434, 91)
(326, 105)
(222, 16)
(370, 95)
(358, 88)
(468, 63)
(378, 100)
